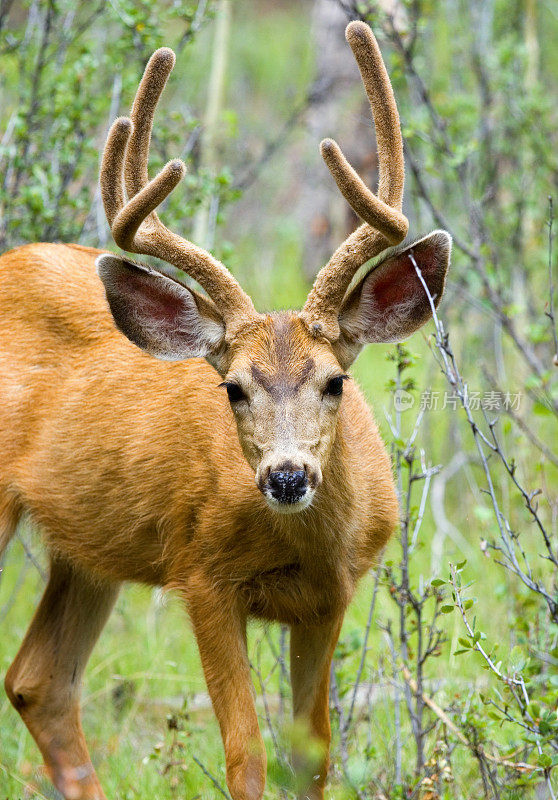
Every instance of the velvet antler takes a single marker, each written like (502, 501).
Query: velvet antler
(130, 199)
(384, 224)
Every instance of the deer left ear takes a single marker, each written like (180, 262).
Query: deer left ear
(389, 303)
(160, 315)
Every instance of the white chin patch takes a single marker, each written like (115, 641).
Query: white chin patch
(289, 508)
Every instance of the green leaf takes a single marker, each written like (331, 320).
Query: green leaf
(541, 410)
(447, 609)
(517, 659)
(534, 710)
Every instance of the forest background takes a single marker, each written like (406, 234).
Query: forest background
(445, 679)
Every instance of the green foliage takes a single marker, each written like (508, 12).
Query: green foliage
(482, 135)
(57, 113)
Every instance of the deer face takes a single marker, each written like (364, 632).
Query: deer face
(283, 378)
(285, 389)
(283, 373)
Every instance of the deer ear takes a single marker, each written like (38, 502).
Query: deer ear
(389, 302)
(158, 314)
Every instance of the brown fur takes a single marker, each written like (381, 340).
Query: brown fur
(133, 470)
(272, 506)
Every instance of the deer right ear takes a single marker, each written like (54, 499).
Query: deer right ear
(160, 315)
(389, 303)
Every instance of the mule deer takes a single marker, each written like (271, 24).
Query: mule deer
(269, 503)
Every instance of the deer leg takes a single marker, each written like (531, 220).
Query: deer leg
(220, 627)
(44, 681)
(311, 653)
(9, 516)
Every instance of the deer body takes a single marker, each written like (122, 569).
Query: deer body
(172, 489)
(160, 435)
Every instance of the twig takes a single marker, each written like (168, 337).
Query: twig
(212, 778)
(31, 557)
(476, 644)
(437, 215)
(8, 605)
(334, 694)
(550, 312)
(521, 766)
(364, 649)
(281, 757)
(449, 367)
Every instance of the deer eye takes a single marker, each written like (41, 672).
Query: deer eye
(234, 392)
(334, 386)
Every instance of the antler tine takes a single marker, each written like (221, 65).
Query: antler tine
(134, 224)
(112, 166)
(129, 219)
(384, 224)
(384, 109)
(151, 86)
(125, 217)
(389, 221)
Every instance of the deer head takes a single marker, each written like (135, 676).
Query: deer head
(284, 373)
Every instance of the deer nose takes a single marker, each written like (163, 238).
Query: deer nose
(288, 486)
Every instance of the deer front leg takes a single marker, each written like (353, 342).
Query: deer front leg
(311, 653)
(220, 628)
(44, 681)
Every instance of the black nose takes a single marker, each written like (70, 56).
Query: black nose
(287, 486)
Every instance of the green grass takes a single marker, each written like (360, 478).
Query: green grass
(145, 667)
